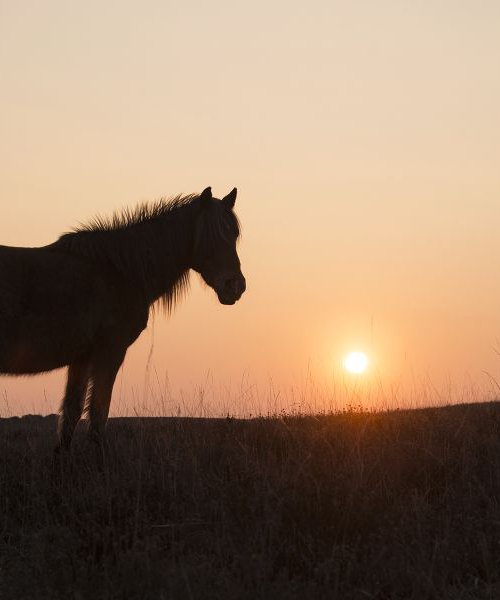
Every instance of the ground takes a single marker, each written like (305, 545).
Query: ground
(397, 505)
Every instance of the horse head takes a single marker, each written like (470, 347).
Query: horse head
(214, 254)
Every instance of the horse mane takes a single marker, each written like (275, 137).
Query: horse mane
(137, 243)
(142, 213)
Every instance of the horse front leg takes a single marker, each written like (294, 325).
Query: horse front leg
(103, 376)
(72, 404)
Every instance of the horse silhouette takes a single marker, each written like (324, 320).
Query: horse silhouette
(84, 299)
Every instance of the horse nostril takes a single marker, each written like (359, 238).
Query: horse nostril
(235, 286)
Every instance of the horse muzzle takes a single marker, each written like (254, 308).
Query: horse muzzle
(231, 290)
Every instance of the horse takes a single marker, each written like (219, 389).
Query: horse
(82, 300)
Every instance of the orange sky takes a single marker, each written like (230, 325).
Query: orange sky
(364, 139)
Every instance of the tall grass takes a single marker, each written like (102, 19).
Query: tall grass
(353, 505)
(307, 394)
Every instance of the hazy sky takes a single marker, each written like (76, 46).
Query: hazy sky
(363, 137)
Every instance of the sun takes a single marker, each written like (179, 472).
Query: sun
(356, 362)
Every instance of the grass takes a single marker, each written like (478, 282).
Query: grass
(395, 505)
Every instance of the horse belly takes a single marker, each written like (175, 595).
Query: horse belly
(46, 337)
(37, 352)
(23, 358)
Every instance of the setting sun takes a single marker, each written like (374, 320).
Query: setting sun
(356, 362)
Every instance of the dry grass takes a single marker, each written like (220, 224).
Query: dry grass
(351, 506)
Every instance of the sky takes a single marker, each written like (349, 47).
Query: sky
(364, 140)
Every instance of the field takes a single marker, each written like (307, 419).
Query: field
(357, 505)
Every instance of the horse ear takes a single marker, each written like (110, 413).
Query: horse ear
(230, 199)
(205, 197)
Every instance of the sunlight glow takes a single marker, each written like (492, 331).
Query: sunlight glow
(356, 362)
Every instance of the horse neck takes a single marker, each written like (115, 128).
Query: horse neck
(161, 254)
(154, 256)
